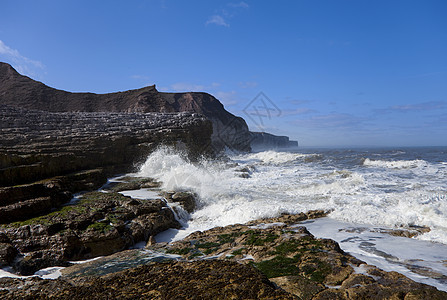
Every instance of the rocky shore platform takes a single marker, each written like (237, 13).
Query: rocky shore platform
(275, 258)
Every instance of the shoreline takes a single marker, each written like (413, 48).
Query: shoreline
(263, 225)
(277, 249)
(145, 190)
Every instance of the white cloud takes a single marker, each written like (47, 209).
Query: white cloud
(248, 84)
(334, 121)
(298, 111)
(417, 107)
(241, 4)
(23, 64)
(183, 87)
(5, 50)
(189, 87)
(217, 20)
(140, 77)
(227, 98)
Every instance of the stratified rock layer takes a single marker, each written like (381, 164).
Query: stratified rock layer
(21, 91)
(37, 144)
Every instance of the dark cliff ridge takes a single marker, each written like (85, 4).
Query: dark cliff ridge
(263, 140)
(21, 91)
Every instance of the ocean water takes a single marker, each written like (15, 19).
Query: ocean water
(387, 187)
(368, 191)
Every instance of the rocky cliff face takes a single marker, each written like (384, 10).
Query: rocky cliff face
(21, 91)
(37, 144)
(263, 140)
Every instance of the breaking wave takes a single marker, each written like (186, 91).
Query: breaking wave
(265, 184)
(397, 164)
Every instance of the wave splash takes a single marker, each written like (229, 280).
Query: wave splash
(256, 185)
(396, 164)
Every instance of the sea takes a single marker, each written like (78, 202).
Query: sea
(369, 192)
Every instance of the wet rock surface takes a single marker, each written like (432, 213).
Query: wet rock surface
(265, 259)
(21, 202)
(99, 224)
(186, 199)
(169, 280)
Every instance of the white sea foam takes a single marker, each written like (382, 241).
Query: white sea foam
(273, 157)
(50, 273)
(144, 194)
(390, 253)
(395, 191)
(282, 182)
(394, 194)
(394, 164)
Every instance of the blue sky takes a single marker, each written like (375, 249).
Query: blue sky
(331, 73)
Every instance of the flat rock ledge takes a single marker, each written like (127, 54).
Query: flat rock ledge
(266, 259)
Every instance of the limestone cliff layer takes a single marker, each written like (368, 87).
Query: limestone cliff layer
(37, 144)
(21, 91)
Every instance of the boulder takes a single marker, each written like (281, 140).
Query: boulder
(7, 254)
(99, 224)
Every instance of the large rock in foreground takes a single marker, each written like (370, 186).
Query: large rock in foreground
(99, 224)
(170, 280)
(265, 259)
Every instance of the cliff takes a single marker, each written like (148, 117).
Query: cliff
(21, 91)
(263, 140)
(37, 144)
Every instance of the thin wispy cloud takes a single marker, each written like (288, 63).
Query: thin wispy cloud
(189, 87)
(424, 106)
(339, 121)
(241, 4)
(23, 64)
(299, 102)
(227, 98)
(140, 77)
(225, 13)
(298, 111)
(248, 84)
(217, 20)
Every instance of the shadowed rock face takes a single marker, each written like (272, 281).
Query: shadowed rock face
(37, 144)
(21, 91)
